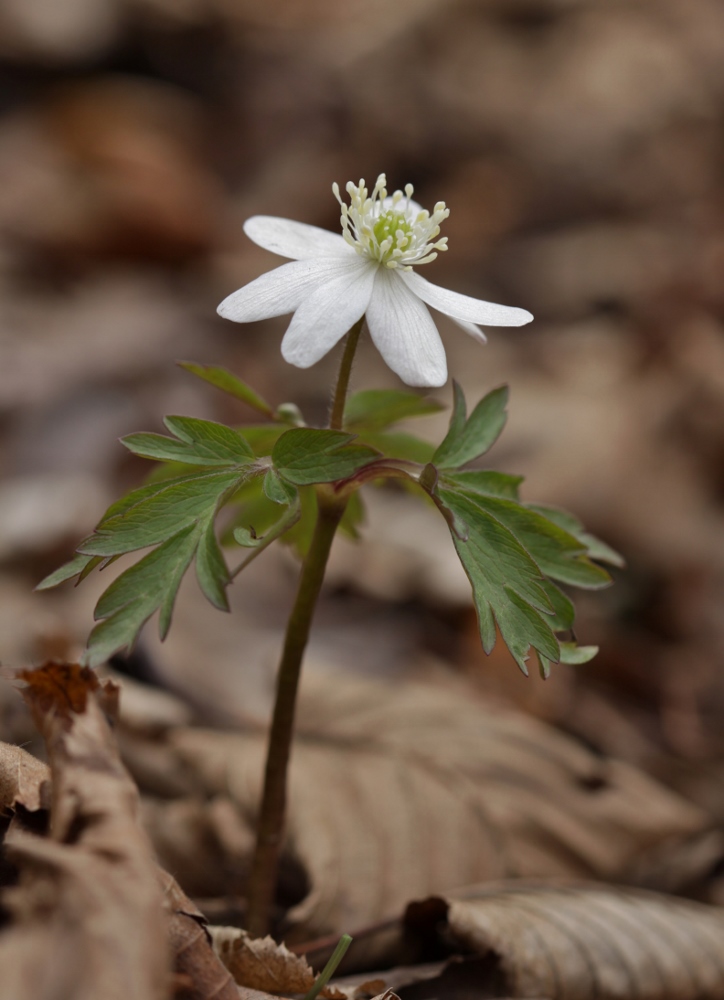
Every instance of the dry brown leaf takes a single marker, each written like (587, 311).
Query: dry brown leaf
(262, 964)
(582, 941)
(22, 779)
(200, 973)
(87, 917)
(396, 790)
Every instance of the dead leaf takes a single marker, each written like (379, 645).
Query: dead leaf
(22, 778)
(86, 917)
(196, 964)
(581, 941)
(262, 964)
(396, 788)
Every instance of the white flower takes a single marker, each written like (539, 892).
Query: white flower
(334, 280)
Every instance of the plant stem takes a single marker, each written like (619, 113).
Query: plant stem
(270, 830)
(345, 370)
(330, 968)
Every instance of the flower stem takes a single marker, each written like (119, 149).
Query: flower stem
(336, 416)
(270, 830)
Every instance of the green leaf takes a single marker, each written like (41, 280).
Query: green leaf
(571, 654)
(479, 433)
(276, 490)
(229, 383)
(595, 548)
(150, 489)
(487, 482)
(559, 554)
(133, 597)
(507, 584)
(247, 538)
(211, 569)
(255, 511)
(376, 409)
(200, 442)
(70, 569)
(299, 536)
(354, 516)
(305, 455)
(398, 445)
(564, 612)
(576, 655)
(457, 423)
(207, 435)
(263, 437)
(162, 511)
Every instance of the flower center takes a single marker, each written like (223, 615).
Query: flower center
(391, 230)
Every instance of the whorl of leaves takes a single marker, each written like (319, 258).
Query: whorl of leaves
(514, 554)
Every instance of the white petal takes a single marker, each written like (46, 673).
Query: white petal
(404, 333)
(464, 306)
(327, 314)
(294, 239)
(412, 210)
(280, 291)
(470, 328)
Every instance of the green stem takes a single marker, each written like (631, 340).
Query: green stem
(330, 968)
(272, 812)
(336, 417)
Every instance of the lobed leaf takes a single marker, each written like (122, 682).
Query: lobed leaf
(305, 455)
(137, 593)
(197, 442)
(276, 490)
(507, 584)
(468, 440)
(487, 482)
(595, 548)
(74, 567)
(211, 569)
(376, 409)
(457, 423)
(399, 445)
(171, 506)
(262, 437)
(576, 655)
(558, 554)
(223, 379)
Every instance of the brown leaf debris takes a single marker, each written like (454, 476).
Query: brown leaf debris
(401, 792)
(87, 917)
(195, 962)
(23, 779)
(580, 941)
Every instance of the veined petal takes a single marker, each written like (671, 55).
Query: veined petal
(327, 314)
(404, 332)
(280, 291)
(470, 328)
(294, 239)
(464, 307)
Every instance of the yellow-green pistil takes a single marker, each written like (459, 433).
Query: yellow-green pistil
(388, 227)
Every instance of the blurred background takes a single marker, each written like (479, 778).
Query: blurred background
(580, 149)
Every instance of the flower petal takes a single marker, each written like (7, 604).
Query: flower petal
(464, 307)
(294, 239)
(404, 332)
(470, 328)
(327, 314)
(279, 291)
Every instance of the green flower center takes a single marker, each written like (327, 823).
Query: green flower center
(389, 224)
(391, 232)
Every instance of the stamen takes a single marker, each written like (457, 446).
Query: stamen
(388, 229)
